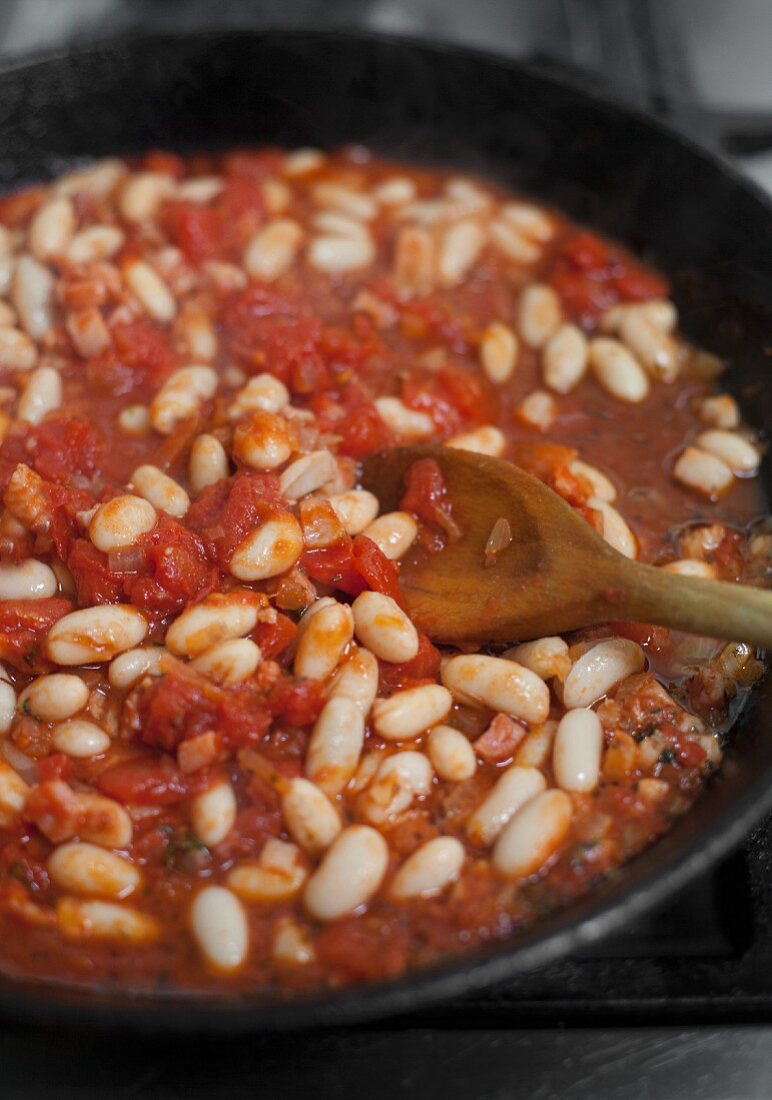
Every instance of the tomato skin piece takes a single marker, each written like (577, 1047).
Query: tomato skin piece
(24, 625)
(145, 781)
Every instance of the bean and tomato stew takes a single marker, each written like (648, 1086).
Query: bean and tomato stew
(228, 758)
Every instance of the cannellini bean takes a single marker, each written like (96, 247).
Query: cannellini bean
(7, 702)
(208, 462)
(650, 345)
(691, 567)
(547, 657)
(311, 819)
(534, 751)
(269, 550)
(103, 920)
(617, 371)
(160, 490)
(181, 396)
(202, 189)
(17, 351)
(340, 225)
(263, 442)
(13, 794)
(348, 876)
(213, 813)
(272, 250)
(398, 781)
(88, 869)
(80, 738)
(577, 750)
(600, 669)
(217, 618)
(219, 926)
(405, 422)
(135, 420)
(325, 635)
(302, 161)
(337, 196)
(196, 333)
(229, 662)
(514, 788)
(143, 193)
(460, 246)
(414, 260)
(51, 229)
(307, 474)
(335, 745)
(395, 191)
(292, 944)
(533, 835)
(355, 509)
(658, 312)
(335, 255)
(277, 875)
(529, 219)
(431, 868)
(120, 522)
(615, 530)
(451, 754)
(739, 455)
(706, 473)
(261, 392)
(393, 533)
(512, 243)
(103, 821)
(720, 411)
(498, 352)
(487, 440)
(32, 290)
(95, 634)
(539, 314)
(602, 487)
(356, 679)
(96, 242)
(54, 697)
(42, 394)
(88, 332)
(564, 359)
(27, 580)
(130, 667)
(538, 409)
(382, 626)
(498, 684)
(151, 291)
(409, 712)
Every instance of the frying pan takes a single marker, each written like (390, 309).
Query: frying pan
(606, 166)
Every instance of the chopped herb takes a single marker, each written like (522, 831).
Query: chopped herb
(185, 842)
(667, 756)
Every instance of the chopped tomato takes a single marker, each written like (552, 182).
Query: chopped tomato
(145, 781)
(425, 666)
(274, 638)
(426, 496)
(175, 570)
(194, 227)
(141, 355)
(24, 625)
(296, 701)
(226, 512)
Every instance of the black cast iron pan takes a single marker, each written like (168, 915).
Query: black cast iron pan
(609, 167)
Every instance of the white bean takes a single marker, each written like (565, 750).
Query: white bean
(706, 473)
(151, 291)
(498, 352)
(410, 424)
(337, 196)
(51, 229)
(277, 875)
(292, 944)
(217, 618)
(96, 242)
(335, 745)
(547, 657)
(269, 550)
(261, 392)
(356, 679)
(200, 189)
(739, 455)
(302, 161)
(529, 219)
(103, 821)
(7, 705)
(618, 372)
(17, 351)
(691, 567)
(27, 580)
(160, 490)
(451, 754)
(533, 835)
(407, 713)
(42, 394)
(535, 749)
(121, 522)
(81, 739)
(220, 928)
(130, 667)
(325, 635)
(615, 530)
(54, 697)
(538, 409)
(600, 669)
(143, 193)
(103, 920)
(516, 786)
(32, 291)
(577, 750)
(229, 662)
(564, 359)
(355, 509)
(650, 345)
(213, 813)
(181, 396)
(135, 420)
(657, 311)
(512, 243)
(272, 250)
(498, 684)
(13, 794)
(429, 869)
(307, 474)
(393, 533)
(720, 411)
(460, 246)
(382, 626)
(88, 869)
(602, 487)
(208, 462)
(311, 819)
(348, 876)
(487, 440)
(395, 191)
(398, 781)
(539, 314)
(414, 261)
(95, 634)
(336, 254)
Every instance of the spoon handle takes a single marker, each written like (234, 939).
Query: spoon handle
(714, 609)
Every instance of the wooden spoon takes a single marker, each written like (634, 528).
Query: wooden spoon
(557, 574)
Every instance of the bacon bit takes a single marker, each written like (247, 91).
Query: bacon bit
(500, 740)
(499, 539)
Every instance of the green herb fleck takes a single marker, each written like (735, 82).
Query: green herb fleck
(667, 756)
